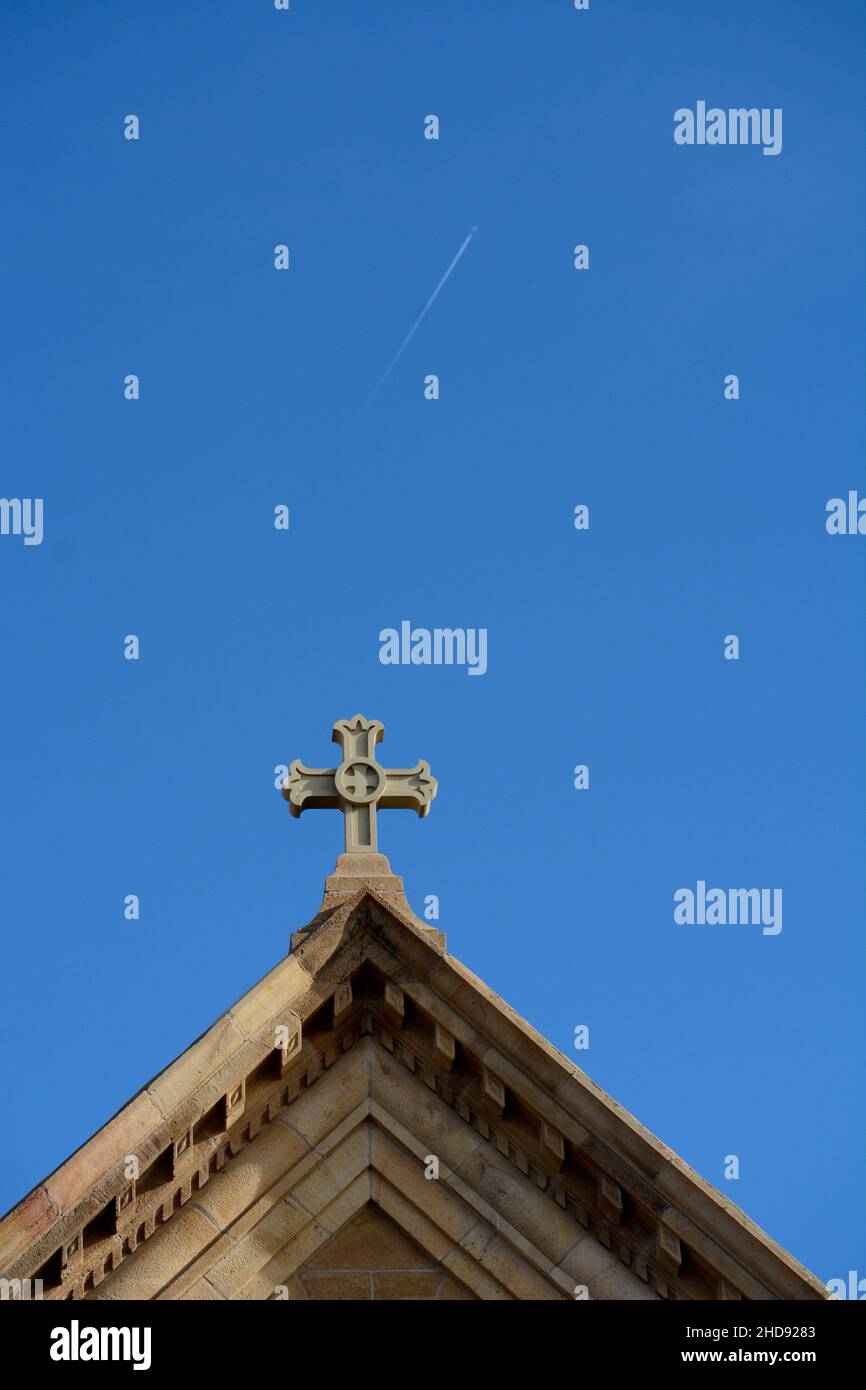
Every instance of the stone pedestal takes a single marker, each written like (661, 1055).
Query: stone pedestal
(356, 871)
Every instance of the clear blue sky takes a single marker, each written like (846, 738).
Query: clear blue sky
(558, 387)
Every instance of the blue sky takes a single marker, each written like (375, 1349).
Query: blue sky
(558, 387)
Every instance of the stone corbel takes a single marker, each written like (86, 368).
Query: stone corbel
(669, 1253)
(342, 1001)
(289, 1036)
(444, 1048)
(72, 1256)
(394, 1004)
(235, 1100)
(552, 1144)
(124, 1207)
(609, 1199)
(493, 1093)
(182, 1154)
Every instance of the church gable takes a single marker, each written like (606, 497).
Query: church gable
(370, 1082)
(364, 1136)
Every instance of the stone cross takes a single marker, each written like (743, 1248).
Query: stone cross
(359, 785)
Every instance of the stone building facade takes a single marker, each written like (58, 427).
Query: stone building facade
(370, 1121)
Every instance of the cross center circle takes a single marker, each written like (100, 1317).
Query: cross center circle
(360, 781)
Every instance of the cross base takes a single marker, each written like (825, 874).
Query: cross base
(356, 871)
(353, 873)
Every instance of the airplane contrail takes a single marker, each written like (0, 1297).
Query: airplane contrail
(412, 331)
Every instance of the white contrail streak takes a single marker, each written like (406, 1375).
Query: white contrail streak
(416, 325)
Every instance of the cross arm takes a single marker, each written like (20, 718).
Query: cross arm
(409, 789)
(309, 788)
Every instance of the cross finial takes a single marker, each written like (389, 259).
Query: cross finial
(359, 786)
